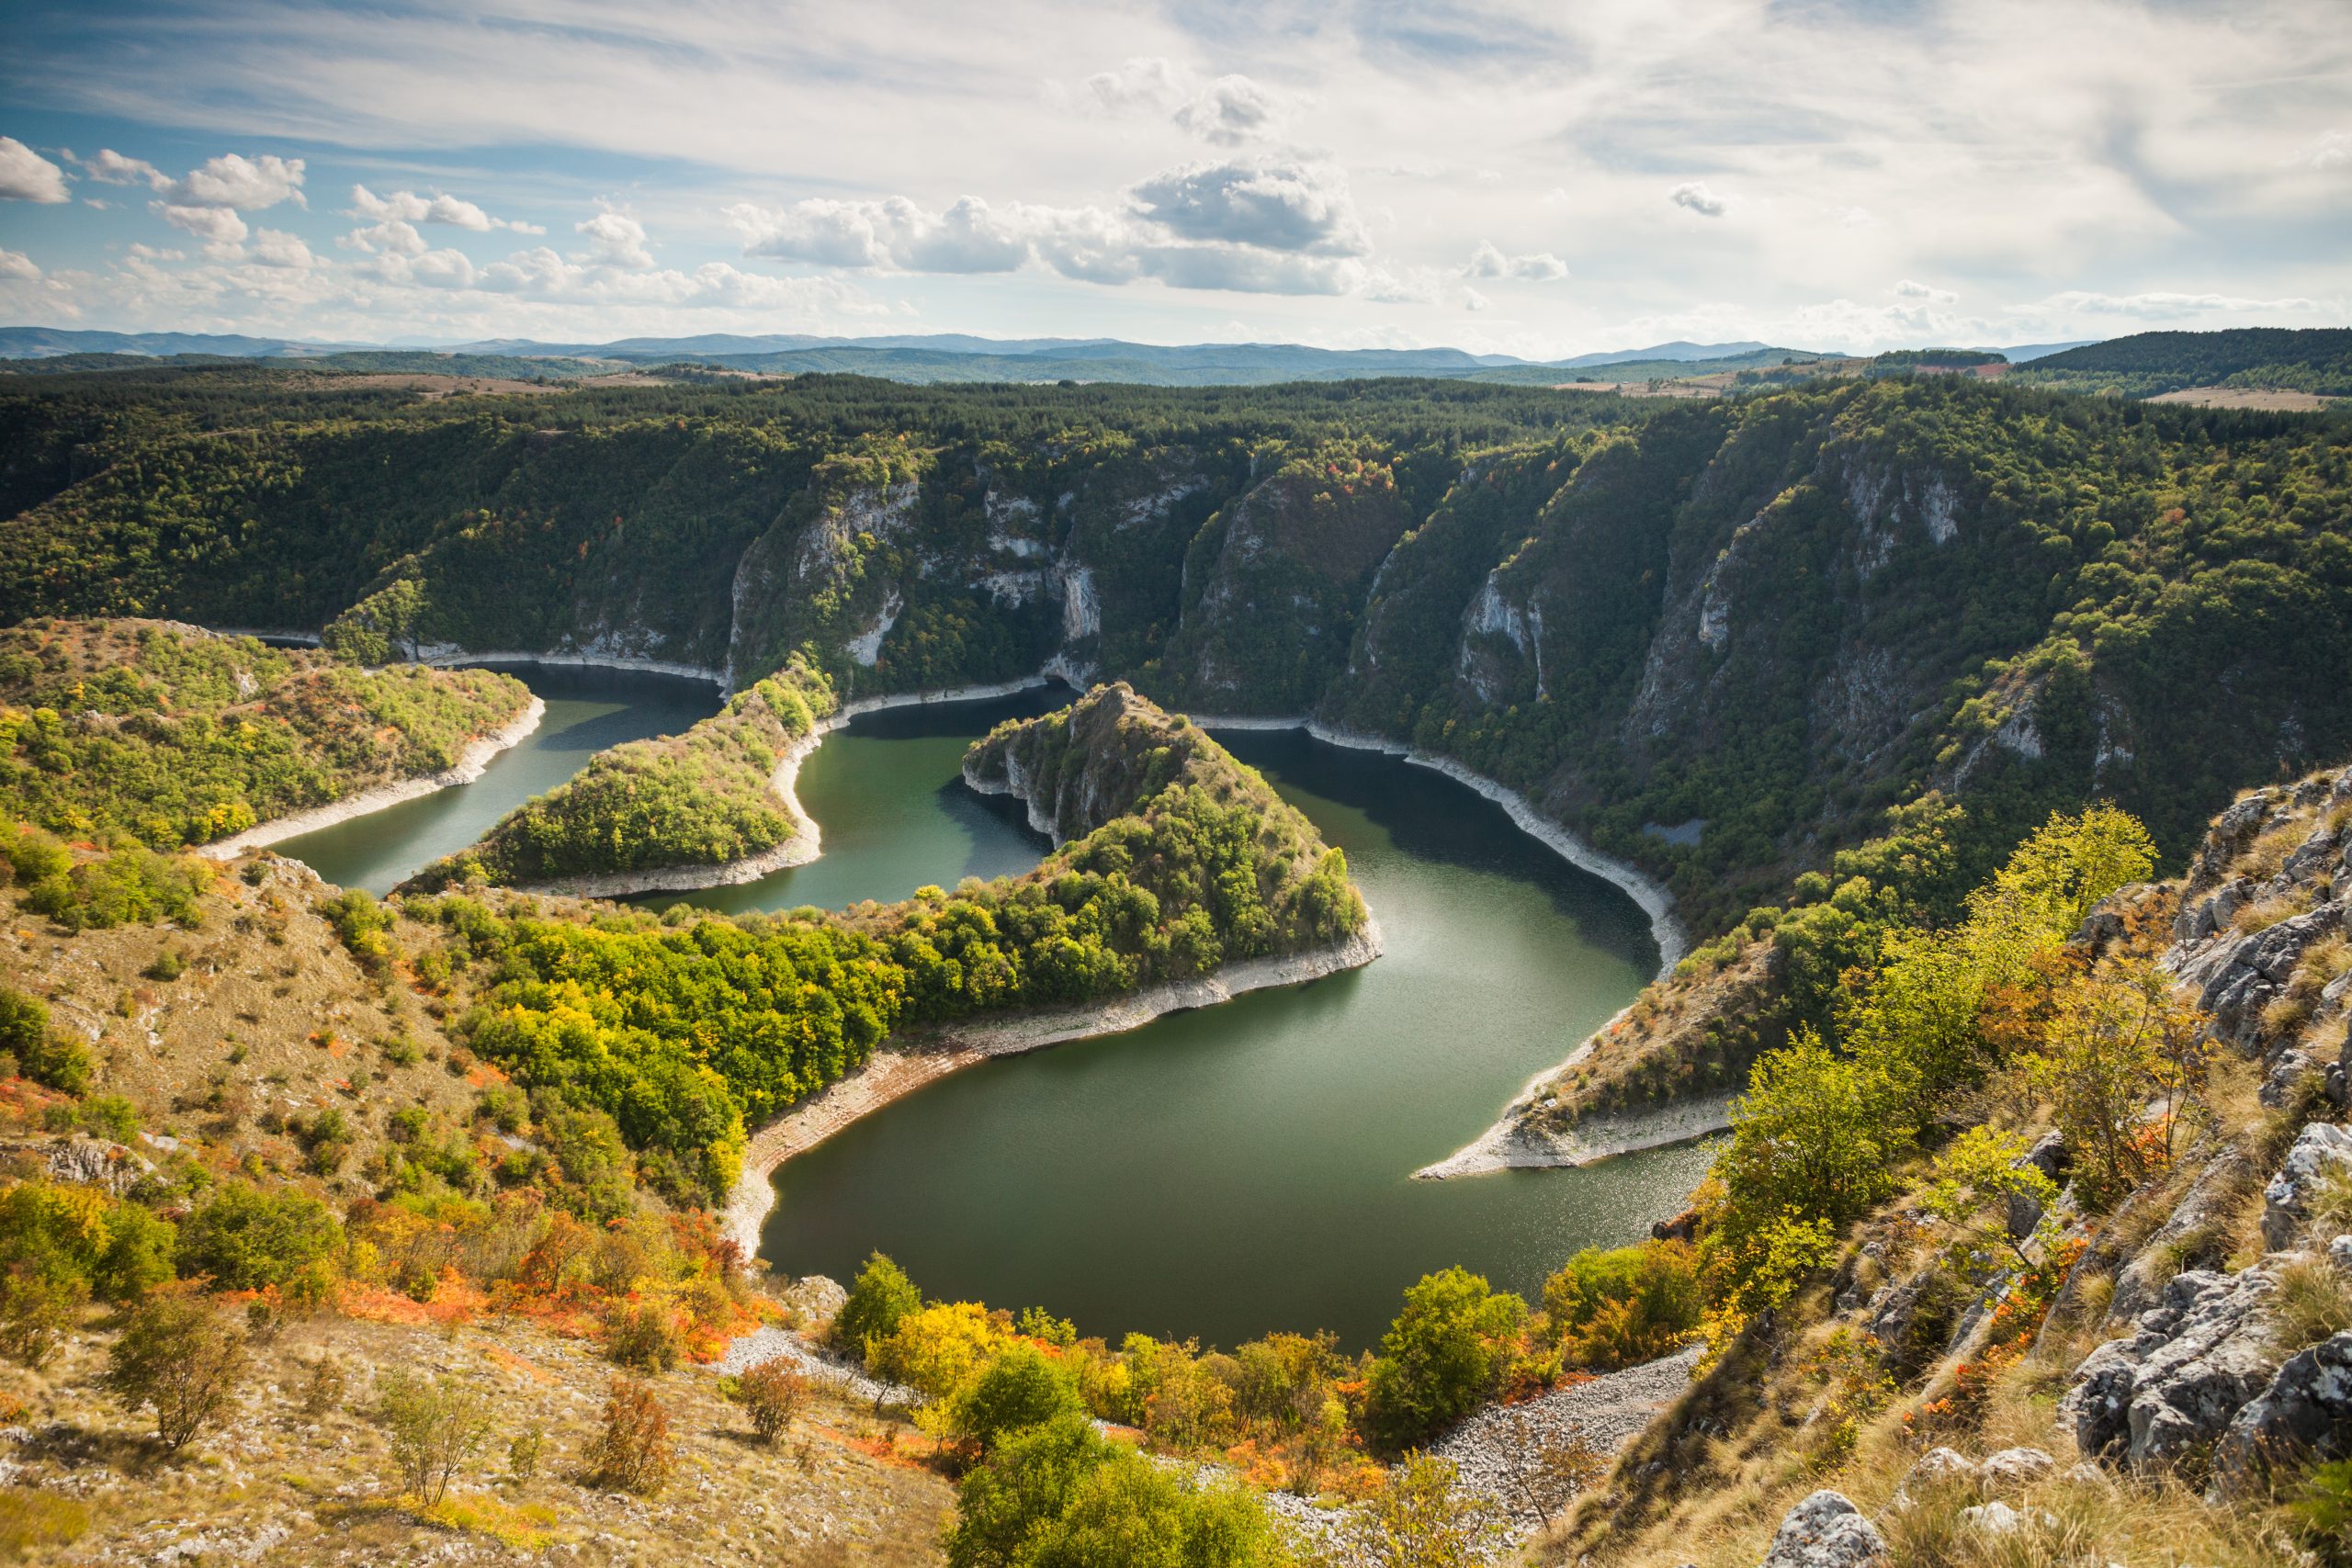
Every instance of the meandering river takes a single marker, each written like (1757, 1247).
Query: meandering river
(1215, 1174)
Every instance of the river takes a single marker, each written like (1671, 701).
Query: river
(1216, 1174)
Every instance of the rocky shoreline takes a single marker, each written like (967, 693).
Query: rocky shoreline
(1512, 1143)
(447, 656)
(469, 767)
(1644, 890)
(1509, 1144)
(907, 1063)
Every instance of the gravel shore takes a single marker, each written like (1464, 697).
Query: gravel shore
(469, 767)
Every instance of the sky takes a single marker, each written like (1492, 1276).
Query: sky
(1501, 175)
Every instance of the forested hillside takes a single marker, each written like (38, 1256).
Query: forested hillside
(2149, 364)
(173, 737)
(1760, 622)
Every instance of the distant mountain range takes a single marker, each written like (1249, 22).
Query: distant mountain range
(946, 356)
(942, 356)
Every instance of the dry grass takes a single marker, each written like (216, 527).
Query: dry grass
(327, 1479)
(30, 1519)
(2313, 1301)
(2277, 399)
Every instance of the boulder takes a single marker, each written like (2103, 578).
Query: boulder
(1938, 1469)
(2322, 1148)
(2156, 1397)
(1825, 1530)
(2015, 1467)
(1999, 1518)
(814, 1301)
(2284, 1078)
(2305, 1414)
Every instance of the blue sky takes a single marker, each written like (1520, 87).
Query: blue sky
(1531, 178)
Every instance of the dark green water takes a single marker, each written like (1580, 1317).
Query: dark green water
(1216, 1174)
(893, 815)
(587, 711)
(1246, 1168)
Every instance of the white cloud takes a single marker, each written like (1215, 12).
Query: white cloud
(18, 265)
(407, 206)
(1233, 110)
(1146, 82)
(274, 247)
(393, 236)
(2326, 151)
(235, 180)
(217, 226)
(1474, 300)
(615, 240)
(110, 167)
(1909, 289)
(1278, 206)
(25, 175)
(1537, 266)
(1695, 196)
(891, 235)
(2164, 306)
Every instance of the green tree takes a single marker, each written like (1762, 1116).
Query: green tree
(1444, 1353)
(245, 1239)
(177, 1356)
(434, 1426)
(1019, 1388)
(881, 1296)
(2119, 1041)
(1813, 1135)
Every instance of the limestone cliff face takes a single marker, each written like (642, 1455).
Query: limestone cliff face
(811, 578)
(1093, 761)
(1273, 586)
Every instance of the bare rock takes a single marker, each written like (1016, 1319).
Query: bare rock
(2157, 1396)
(2015, 1467)
(2305, 1414)
(1825, 1530)
(2286, 1076)
(2322, 1148)
(95, 1162)
(815, 1301)
(1938, 1469)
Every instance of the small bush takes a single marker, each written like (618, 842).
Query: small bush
(633, 1452)
(436, 1428)
(169, 966)
(1018, 1389)
(38, 1306)
(772, 1395)
(110, 1116)
(322, 1383)
(523, 1448)
(2323, 1509)
(643, 1336)
(881, 1296)
(179, 1358)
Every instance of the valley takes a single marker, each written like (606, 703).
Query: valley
(1879, 703)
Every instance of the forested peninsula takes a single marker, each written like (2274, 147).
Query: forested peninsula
(710, 807)
(173, 737)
